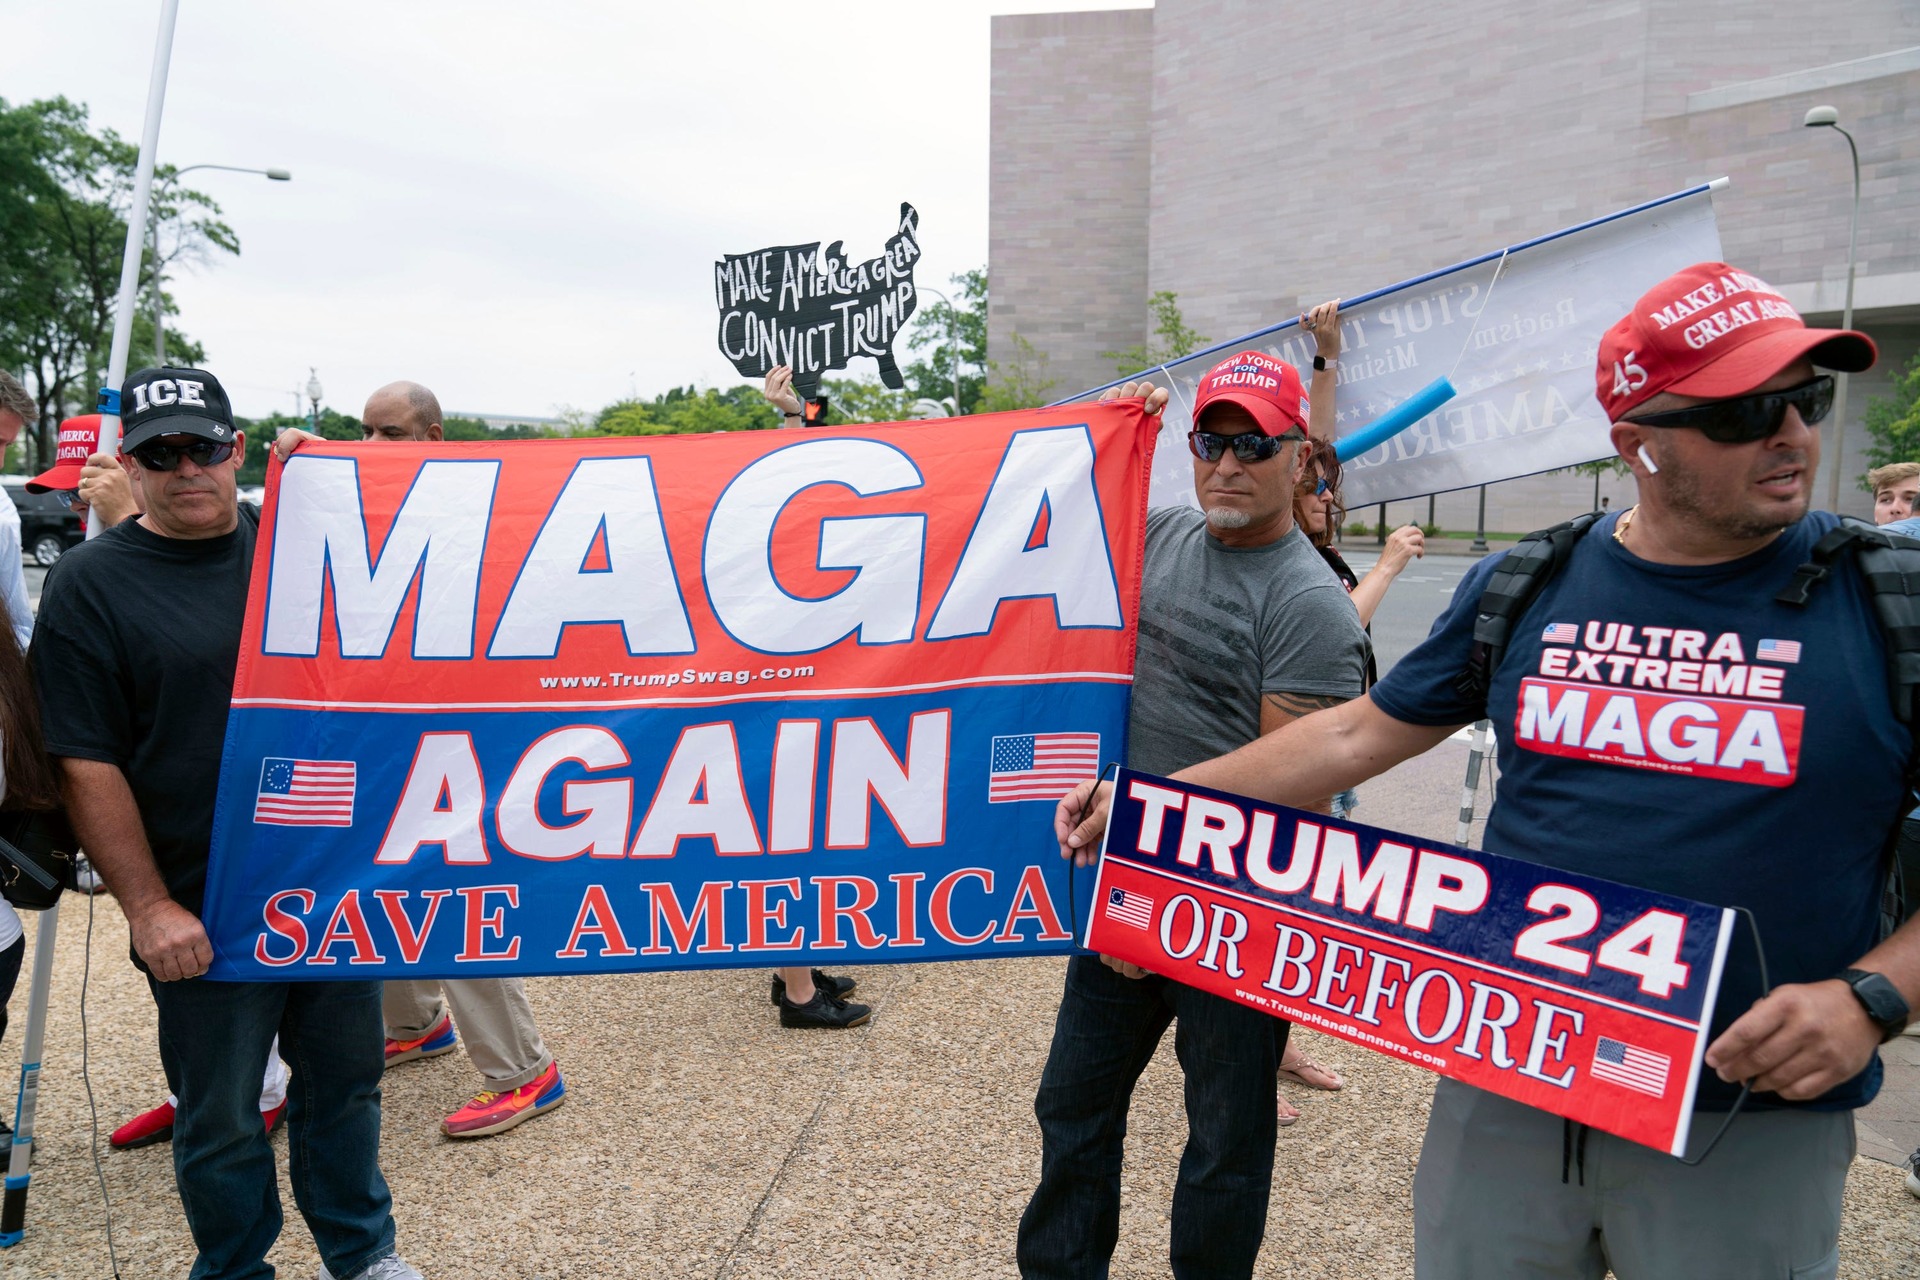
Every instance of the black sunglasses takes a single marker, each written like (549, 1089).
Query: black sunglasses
(1248, 446)
(66, 497)
(1744, 419)
(166, 457)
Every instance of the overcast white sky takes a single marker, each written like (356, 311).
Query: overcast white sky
(520, 204)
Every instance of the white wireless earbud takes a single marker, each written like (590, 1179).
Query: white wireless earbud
(1647, 462)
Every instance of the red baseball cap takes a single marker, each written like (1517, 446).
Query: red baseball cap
(1267, 388)
(79, 438)
(1713, 331)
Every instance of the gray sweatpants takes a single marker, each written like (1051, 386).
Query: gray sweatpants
(492, 1015)
(1488, 1199)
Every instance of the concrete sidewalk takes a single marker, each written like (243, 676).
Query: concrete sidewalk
(701, 1140)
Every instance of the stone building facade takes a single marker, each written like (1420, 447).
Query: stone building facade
(1256, 157)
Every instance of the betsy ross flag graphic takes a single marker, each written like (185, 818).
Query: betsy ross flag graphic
(1778, 651)
(305, 793)
(1560, 633)
(1040, 766)
(1135, 909)
(1631, 1066)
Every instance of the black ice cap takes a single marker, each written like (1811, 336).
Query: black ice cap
(173, 402)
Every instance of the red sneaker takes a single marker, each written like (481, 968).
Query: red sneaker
(439, 1039)
(490, 1113)
(145, 1129)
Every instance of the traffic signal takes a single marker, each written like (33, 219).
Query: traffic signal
(815, 411)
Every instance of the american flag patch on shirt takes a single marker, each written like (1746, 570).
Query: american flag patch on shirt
(1135, 909)
(1631, 1066)
(1778, 651)
(1040, 766)
(305, 793)
(1560, 633)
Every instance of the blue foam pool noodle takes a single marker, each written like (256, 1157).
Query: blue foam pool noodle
(1395, 420)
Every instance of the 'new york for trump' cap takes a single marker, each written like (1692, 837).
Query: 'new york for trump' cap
(1713, 331)
(1267, 388)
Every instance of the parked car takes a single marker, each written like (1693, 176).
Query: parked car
(47, 529)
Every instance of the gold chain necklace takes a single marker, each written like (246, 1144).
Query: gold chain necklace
(1625, 522)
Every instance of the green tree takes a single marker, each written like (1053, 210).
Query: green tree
(938, 329)
(1893, 423)
(1019, 383)
(866, 400)
(683, 411)
(261, 431)
(1171, 338)
(65, 193)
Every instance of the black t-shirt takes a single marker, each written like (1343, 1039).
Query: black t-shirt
(133, 657)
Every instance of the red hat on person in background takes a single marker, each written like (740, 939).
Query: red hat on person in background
(1713, 331)
(79, 437)
(1267, 388)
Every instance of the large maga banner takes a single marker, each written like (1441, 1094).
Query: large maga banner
(1520, 351)
(676, 702)
(1581, 997)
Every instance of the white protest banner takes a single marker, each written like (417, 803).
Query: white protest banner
(1520, 352)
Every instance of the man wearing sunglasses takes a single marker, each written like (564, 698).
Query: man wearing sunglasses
(1670, 724)
(134, 660)
(1243, 628)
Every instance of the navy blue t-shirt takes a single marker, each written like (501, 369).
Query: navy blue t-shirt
(1673, 727)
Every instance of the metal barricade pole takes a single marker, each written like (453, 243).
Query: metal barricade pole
(13, 1206)
(1476, 752)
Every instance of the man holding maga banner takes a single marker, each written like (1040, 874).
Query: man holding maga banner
(1669, 725)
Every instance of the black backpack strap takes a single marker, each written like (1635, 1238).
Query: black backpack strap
(1889, 563)
(1516, 581)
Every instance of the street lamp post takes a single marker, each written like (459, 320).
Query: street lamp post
(1828, 118)
(953, 342)
(313, 395)
(153, 229)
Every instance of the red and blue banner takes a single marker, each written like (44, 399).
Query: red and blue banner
(766, 698)
(1578, 996)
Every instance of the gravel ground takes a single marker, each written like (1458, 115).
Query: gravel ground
(905, 1148)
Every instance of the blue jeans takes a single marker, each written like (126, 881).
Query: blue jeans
(213, 1043)
(1106, 1032)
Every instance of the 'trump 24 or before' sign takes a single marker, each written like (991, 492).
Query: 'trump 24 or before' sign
(1581, 997)
(676, 702)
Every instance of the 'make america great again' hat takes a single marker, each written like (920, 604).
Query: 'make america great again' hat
(173, 402)
(1713, 331)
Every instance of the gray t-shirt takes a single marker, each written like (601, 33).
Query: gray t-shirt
(1219, 627)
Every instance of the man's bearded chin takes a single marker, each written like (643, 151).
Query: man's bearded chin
(1228, 518)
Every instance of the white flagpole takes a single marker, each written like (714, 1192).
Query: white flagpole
(136, 238)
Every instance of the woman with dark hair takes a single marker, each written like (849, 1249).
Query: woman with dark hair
(26, 782)
(1318, 508)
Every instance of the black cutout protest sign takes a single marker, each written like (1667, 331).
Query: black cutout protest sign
(792, 305)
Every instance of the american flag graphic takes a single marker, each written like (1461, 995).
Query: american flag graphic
(1778, 651)
(1040, 766)
(1560, 633)
(305, 793)
(1631, 1066)
(1135, 909)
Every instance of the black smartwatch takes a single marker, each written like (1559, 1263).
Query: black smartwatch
(1319, 363)
(1881, 999)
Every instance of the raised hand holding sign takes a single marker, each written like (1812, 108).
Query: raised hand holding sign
(792, 305)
